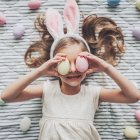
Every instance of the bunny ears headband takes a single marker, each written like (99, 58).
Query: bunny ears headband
(54, 24)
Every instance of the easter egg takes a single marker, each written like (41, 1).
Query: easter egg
(137, 115)
(2, 19)
(136, 32)
(18, 31)
(130, 132)
(113, 3)
(34, 4)
(63, 67)
(81, 64)
(25, 124)
(138, 4)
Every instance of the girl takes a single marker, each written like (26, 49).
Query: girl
(68, 105)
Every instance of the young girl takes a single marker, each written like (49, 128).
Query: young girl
(68, 105)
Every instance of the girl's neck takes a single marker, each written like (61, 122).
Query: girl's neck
(70, 90)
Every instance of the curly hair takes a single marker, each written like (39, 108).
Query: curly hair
(103, 36)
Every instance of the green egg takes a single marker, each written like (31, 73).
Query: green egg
(63, 67)
(130, 132)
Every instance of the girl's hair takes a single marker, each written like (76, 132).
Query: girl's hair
(104, 38)
(108, 43)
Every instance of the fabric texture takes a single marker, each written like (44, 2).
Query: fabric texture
(69, 117)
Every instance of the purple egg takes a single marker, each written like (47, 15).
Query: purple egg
(2, 19)
(81, 64)
(18, 31)
(136, 32)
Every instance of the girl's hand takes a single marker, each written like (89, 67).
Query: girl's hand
(49, 68)
(95, 63)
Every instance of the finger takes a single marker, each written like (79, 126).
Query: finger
(61, 54)
(84, 53)
(52, 62)
(89, 71)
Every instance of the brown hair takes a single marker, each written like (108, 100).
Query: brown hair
(108, 44)
(104, 38)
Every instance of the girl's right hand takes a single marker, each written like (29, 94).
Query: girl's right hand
(49, 68)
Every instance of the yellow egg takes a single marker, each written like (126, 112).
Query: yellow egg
(130, 132)
(63, 67)
(138, 4)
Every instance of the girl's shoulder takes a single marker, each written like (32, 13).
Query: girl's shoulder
(50, 85)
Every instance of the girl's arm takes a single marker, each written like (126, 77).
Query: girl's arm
(20, 89)
(127, 93)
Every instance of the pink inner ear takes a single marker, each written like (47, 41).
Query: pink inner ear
(54, 24)
(70, 13)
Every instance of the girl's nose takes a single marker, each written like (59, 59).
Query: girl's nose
(72, 67)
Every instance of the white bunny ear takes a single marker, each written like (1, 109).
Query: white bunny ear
(72, 15)
(54, 23)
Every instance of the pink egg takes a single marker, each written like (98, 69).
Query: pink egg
(2, 19)
(34, 4)
(81, 64)
(137, 115)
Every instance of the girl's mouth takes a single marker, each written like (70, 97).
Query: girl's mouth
(74, 77)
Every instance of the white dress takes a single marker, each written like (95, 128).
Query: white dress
(68, 117)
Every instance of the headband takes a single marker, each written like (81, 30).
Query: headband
(55, 27)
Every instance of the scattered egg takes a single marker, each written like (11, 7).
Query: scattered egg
(81, 64)
(137, 115)
(34, 4)
(136, 32)
(113, 3)
(130, 132)
(63, 67)
(18, 30)
(25, 124)
(2, 19)
(138, 4)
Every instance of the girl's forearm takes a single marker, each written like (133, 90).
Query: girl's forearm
(127, 87)
(15, 88)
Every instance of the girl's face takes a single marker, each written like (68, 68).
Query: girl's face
(73, 78)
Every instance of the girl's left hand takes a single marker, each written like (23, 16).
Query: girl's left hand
(95, 63)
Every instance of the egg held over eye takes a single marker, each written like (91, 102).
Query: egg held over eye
(63, 67)
(81, 64)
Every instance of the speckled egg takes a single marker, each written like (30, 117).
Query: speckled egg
(81, 64)
(63, 67)
(18, 31)
(138, 4)
(2, 19)
(113, 3)
(136, 32)
(34, 4)
(25, 124)
(130, 132)
(137, 115)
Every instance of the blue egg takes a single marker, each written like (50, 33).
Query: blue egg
(113, 3)
(18, 31)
